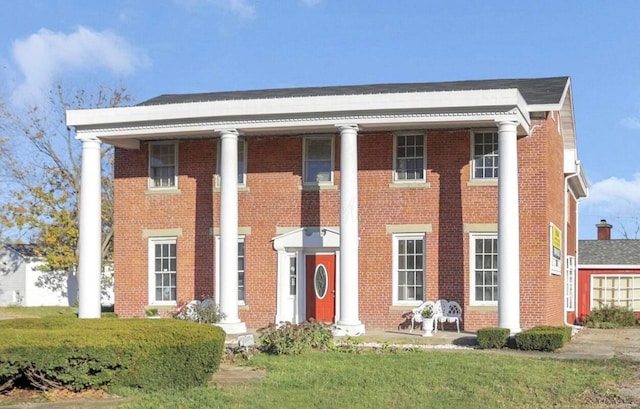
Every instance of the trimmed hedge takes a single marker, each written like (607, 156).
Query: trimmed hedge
(78, 354)
(492, 338)
(543, 338)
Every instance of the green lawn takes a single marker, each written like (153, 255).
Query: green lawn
(424, 379)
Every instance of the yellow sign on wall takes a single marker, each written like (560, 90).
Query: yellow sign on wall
(555, 250)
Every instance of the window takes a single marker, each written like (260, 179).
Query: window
(409, 164)
(163, 267)
(241, 264)
(617, 290)
(318, 160)
(162, 165)
(408, 269)
(484, 269)
(241, 270)
(293, 262)
(485, 155)
(570, 283)
(242, 163)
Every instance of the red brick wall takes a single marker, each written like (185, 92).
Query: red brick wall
(274, 199)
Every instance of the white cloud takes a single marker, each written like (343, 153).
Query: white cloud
(614, 197)
(631, 123)
(45, 55)
(241, 8)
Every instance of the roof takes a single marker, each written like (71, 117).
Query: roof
(609, 252)
(536, 91)
(26, 250)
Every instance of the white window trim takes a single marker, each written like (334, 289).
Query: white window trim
(395, 157)
(472, 268)
(570, 283)
(243, 182)
(394, 269)
(150, 182)
(151, 269)
(304, 161)
(473, 150)
(241, 239)
(605, 276)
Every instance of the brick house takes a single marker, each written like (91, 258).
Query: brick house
(345, 204)
(608, 273)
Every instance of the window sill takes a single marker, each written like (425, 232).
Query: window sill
(162, 191)
(483, 182)
(241, 189)
(243, 307)
(409, 185)
(316, 188)
(482, 308)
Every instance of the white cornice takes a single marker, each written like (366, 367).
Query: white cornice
(609, 267)
(303, 114)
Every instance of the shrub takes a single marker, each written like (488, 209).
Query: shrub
(543, 338)
(489, 338)
(204, 312)
(293, 339)
(611, 317)
(80, 354)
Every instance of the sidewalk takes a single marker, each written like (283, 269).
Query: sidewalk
(588, 343)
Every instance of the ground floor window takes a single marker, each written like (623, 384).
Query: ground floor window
(484, 269)
(241, 269)
(408, 268)
(616, 290)
(162, 271)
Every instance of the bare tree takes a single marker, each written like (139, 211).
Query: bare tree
(40, 161)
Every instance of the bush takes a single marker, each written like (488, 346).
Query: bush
(611, 317)
(204, 312)
(293, 339)
(80, 354)
(544, 338)
(489, 338)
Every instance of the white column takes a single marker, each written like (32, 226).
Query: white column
(349, 323)
(508, 228)
(90, 240)
(229, 233)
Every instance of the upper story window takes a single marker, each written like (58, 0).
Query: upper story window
(318, 160)
(242, 163)
(163, 165)
(484, 269)
(485, 155)
(408, 269)
(410, 158)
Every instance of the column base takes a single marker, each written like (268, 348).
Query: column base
(233, 327)
(348, 330)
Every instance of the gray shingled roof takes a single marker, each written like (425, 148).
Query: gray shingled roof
(534, 90)
(609, 252)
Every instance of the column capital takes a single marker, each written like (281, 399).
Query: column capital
(227, 132)
(505, 125)
(88, 139)
(347, 127)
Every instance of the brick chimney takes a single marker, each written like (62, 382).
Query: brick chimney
(604, 230)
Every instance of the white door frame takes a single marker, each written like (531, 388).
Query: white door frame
(299, 243)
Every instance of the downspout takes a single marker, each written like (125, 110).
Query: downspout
(576, 275)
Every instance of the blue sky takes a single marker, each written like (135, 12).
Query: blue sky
(155, 47)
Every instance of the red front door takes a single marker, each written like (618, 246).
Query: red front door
(321, 279)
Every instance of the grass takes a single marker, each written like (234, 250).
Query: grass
(433, 379)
